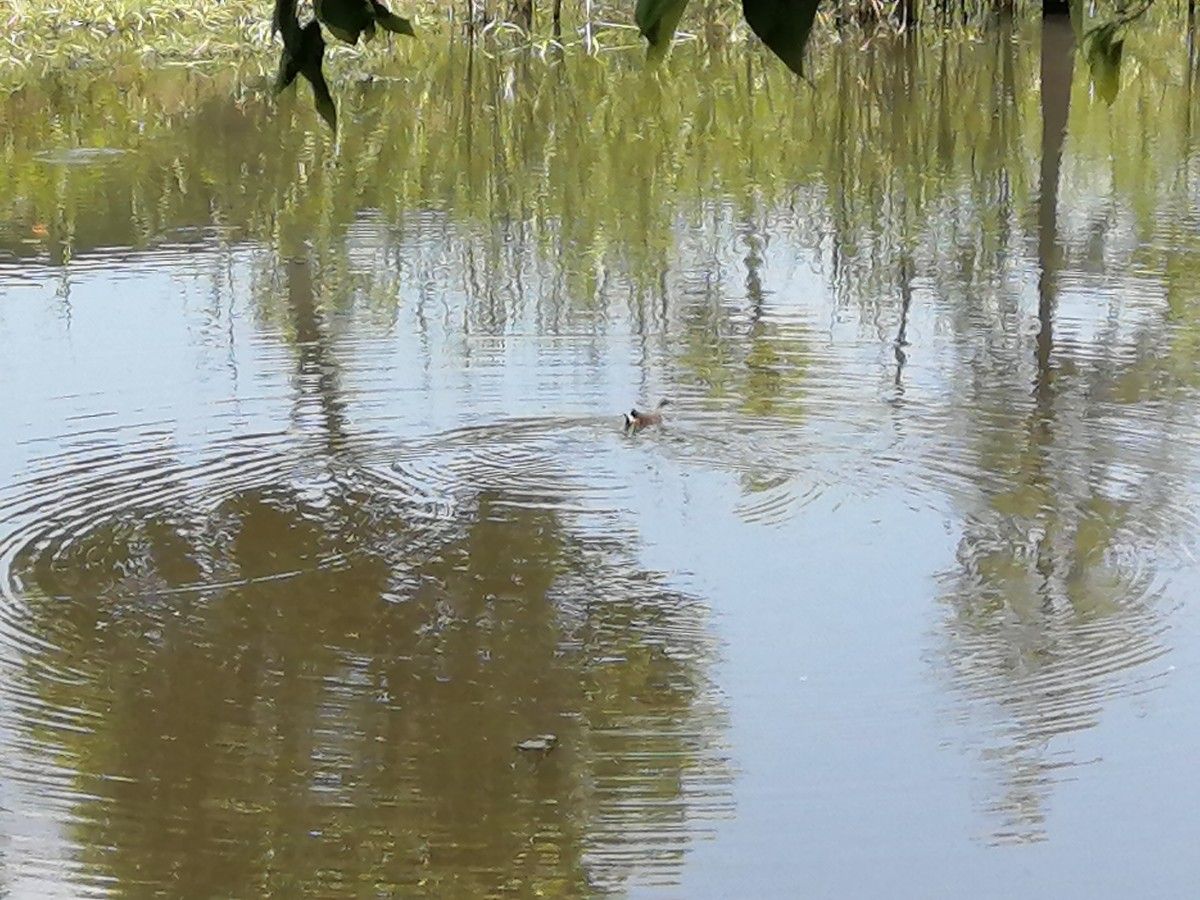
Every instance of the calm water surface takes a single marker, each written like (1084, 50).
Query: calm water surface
(314, 500)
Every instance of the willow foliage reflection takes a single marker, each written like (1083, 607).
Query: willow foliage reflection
(295, 730)
(1054, 608)
(595, 189)
(303, 680)
(570, 190)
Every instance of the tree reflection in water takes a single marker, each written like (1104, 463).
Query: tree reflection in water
(1054, 608)
(298, 678)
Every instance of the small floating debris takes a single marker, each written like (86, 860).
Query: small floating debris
(542, 744)
(78, 156)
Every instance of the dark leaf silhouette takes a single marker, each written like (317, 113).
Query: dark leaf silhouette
(784, 26)
(389, 21)
(348, 19)
(657, 19)
(1104, 49)
(285, 22)
(304, 48)
(303, 51)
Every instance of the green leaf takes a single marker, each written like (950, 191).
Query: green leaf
(657, 20)
(784, 26)
(1103, 49)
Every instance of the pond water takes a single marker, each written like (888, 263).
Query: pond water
(315, 501)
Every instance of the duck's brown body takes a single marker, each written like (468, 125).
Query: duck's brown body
(636, 421)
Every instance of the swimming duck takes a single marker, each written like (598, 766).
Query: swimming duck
(636, 421)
